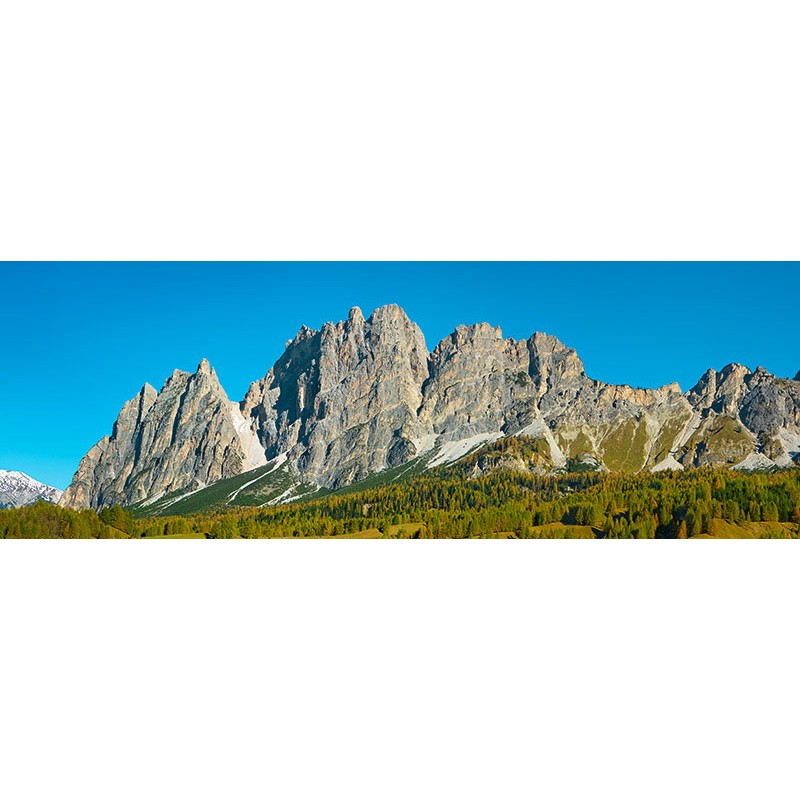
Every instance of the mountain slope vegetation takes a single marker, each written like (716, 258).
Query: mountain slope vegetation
(455, 502)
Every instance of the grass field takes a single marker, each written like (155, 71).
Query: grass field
(723, 529)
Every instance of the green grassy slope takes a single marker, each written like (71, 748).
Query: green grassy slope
(257, 487)
(265, 485)
(624, 448)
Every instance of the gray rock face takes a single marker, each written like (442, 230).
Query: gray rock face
(342, 402)
(762, 413)
(483, 384)
(476, 376)
(769, 404)
(478, 386)
(179, 439)
(764, 402)
(361, 396)
(722, 392)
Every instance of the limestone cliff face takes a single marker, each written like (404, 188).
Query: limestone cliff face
(342, 402)
(480, 382)
(743, 414)
(184, 437)
(483, 384)
(364, 395)
(476, 378)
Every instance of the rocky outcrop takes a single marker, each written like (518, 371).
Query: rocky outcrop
(184, 437)
(364, 395)
(742, 413)
(483, 384)
(342, 402)
(476, 379)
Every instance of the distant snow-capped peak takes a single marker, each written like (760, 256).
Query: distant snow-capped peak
(18, 489)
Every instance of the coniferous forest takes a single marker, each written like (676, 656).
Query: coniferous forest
(446, 503)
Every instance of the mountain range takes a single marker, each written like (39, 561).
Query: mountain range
(364, 399)
(18, 489)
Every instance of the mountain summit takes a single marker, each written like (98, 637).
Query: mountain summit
(365, 396)
(342, 403)
(184, 437)
(18, 489)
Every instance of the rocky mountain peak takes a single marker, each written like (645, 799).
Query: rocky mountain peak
(184, 437)
(389, 311)
(18, 489)
(707, 378)
(545, 343)
(134, 411)
(304, 334)
(768, 408)
(205, 375)
(355, 317)
(342, 403)
(703, 393)
(363, 395)
(480, 331)
(734, 372)
(475, 375)
(552, 365)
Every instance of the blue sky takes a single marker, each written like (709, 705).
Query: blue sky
(81, 339)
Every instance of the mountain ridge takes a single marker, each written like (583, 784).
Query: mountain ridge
(18, 489)
(364, 395)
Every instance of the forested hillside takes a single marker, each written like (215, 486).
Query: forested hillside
(43, 520)
(447, 503)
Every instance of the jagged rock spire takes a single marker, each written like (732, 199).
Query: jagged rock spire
(181, 438)
(343, 402)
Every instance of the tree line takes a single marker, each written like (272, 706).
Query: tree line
(446, 503)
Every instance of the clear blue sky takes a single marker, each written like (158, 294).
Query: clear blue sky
(81, 339)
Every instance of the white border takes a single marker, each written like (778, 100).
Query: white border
(431, 129)
(299, 669)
